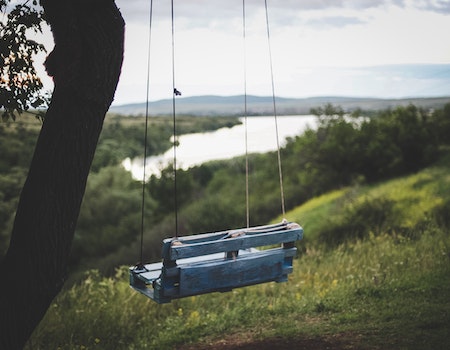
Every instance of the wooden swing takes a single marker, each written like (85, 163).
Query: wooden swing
(218, 261)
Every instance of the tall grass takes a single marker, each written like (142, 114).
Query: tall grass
(387, 288)
(382, 284)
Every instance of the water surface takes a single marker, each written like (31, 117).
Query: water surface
(225, 143)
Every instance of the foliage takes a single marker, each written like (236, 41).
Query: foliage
(405, 206)
(111, 212)
(361, 291)
(373, 255)
(123, 137)
(102, 225)
(441, 122)
(344, 151)
(10, 187)
(20, 86)
(120, 140)
(372, 216)
(162, 188)
(16, 142)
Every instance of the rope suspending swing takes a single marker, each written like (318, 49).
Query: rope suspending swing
(144, 172)
(174, 122)
(219, 261)
(141, 246)
(247, 195)
(275, 115)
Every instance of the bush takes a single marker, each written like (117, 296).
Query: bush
(441, 215)
(357, 221)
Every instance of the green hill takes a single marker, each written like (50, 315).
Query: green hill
(372, 273)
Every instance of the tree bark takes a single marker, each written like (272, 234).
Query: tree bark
(85, 65)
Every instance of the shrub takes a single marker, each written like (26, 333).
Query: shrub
(373, 215)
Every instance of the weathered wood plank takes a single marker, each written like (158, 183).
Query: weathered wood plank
(228, 274)
(245, 241)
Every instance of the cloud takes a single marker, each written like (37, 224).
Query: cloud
(304, 33)
(326, 13)
(438, 6)
(204, 11)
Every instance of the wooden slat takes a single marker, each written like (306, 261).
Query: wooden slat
(228, 274)
(203, 237)
(233, 244)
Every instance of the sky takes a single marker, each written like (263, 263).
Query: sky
(363, 48)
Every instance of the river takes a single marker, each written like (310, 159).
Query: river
(224, 143)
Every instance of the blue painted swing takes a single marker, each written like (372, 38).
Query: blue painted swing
(218, 262)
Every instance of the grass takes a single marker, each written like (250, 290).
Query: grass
(311, 214)
(387, 289)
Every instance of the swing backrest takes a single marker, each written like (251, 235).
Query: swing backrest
(230, 241)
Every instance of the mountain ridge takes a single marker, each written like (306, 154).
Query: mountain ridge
(216, 105)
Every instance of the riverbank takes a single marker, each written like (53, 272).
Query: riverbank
(225, 143)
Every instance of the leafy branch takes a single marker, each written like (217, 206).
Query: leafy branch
(20, 85)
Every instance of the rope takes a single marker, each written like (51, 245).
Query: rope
(247, 205)
(280, 172)
(146, 133)
(175, 93)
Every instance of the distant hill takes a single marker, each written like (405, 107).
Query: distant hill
(263, 105)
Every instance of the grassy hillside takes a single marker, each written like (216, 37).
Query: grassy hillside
(400, 205)
(372, 273)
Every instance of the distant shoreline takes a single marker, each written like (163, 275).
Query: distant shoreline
(263, 105)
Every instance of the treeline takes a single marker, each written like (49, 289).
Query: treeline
(110, 199)
(341, 150)
(348, 149)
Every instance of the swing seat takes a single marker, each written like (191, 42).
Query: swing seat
(218, 262)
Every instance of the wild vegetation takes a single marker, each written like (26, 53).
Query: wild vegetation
(342, 151)
(385, 286)
(371, 194)
(121, 137)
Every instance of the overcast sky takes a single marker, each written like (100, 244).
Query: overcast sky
(375, 48)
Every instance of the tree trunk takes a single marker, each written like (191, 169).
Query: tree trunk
(85, 66)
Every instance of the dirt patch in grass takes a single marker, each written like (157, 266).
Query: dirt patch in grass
(240, 342)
